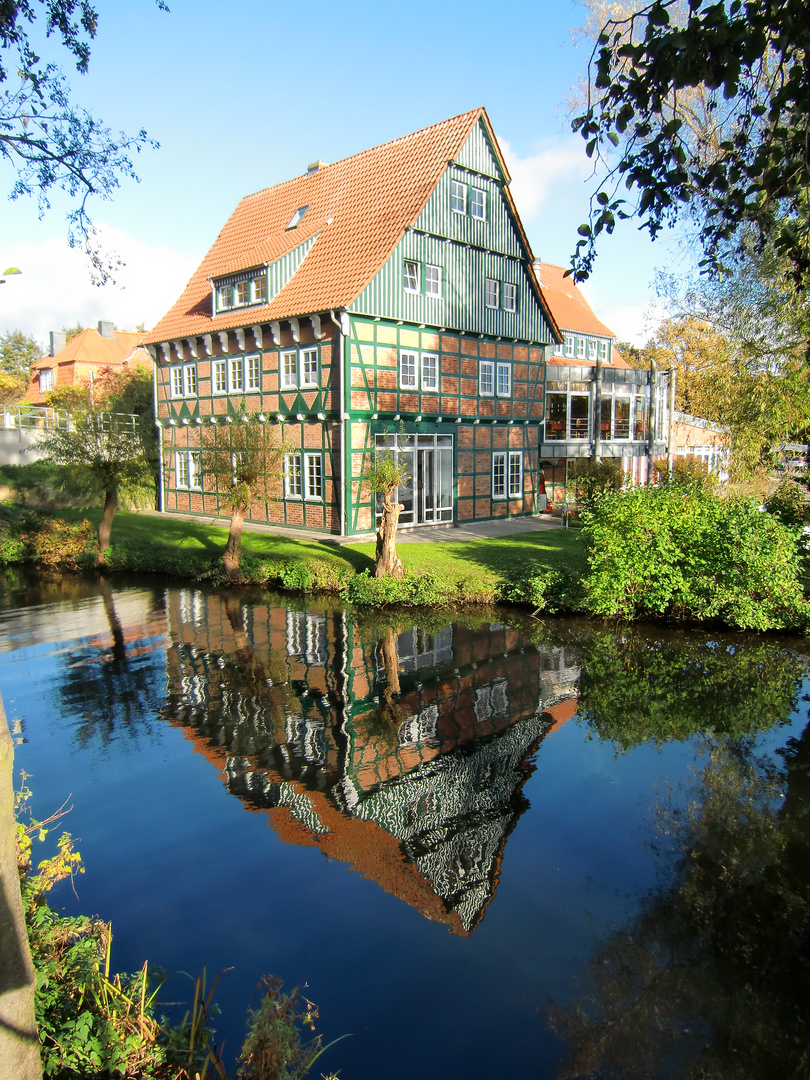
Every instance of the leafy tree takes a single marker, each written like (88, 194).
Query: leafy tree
(18, 352)
(105, 447)
(707, 104)
(242, 460)
(72, 331)
(385, 475)
(75, 398)
(130, 391)
(50, 142)
(12, 389)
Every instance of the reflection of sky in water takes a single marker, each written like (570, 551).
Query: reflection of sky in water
(533, 844)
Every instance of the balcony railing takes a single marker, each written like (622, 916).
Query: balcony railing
(42, 418)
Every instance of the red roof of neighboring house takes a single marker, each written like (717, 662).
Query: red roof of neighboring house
(357, 212)
(569, 307)
(85, 352)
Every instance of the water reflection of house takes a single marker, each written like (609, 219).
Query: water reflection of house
(419, 789)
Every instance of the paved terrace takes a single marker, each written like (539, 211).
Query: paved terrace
(428, 534)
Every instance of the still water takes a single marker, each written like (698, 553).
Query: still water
(489, 850)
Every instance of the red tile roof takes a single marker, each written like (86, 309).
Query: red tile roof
(569, 307)
(86, 351)
(359, 209)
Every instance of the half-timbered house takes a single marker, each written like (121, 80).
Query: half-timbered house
(384, 303)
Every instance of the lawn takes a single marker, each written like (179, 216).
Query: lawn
(485, 560)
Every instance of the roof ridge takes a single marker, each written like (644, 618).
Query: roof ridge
(369, 150)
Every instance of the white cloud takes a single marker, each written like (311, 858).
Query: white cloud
(536, 178)
(54, 288)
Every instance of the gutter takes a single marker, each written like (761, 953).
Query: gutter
(343, 414)
(159, 426)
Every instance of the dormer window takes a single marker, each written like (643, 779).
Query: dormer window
(241, 290)
(45, 380)
(297, 216)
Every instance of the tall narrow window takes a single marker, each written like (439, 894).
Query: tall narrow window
(492, 292)
(603, 352)
(515, 474)
(569, 345)
(45, 379)
(504, 381)
(433, 280)
(194, 469)
(243, 292)
(581, 348)
(292, 476)
(224, 297)
(411, 276)
(592, 350)
(509, 296)
(289, 370)
(486, 378)
(252, 373)
(478, 203)
(190, 379)
(430, 371)
(181, 469)
(499, 475)
(260, 289)
(458, 196)
(177, 381)
(314, 475)
(309, 367)
(220, 376)
(237, 375)
(407, 371)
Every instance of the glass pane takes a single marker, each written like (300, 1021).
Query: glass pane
(444, 482)
(622, 419)
(556, 416)
(604, 418)
(580, 407)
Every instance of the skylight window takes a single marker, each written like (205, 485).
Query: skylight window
(297, 216)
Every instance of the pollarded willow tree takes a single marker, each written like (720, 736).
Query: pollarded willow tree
(386, 474)
(243, 461)
(702, 110)
(107, 448)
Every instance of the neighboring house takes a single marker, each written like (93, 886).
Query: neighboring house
(387, 302)
(81, 360)
(584, 368)
(698, 438)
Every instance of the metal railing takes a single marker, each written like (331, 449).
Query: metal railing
(42, 418)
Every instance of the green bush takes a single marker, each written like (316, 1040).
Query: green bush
(552, 591)
(788, 504)
(28, 537)
(429, 590)
(684, 553)
(588, 478)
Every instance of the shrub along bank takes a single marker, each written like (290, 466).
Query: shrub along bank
(676, 552)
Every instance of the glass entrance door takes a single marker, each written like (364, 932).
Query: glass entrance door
(427, 498)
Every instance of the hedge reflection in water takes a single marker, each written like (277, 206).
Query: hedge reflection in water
(402, 746)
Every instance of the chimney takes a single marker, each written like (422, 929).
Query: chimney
(314, 167)
(106, 329)
(57, 341)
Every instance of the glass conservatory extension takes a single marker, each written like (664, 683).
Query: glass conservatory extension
(624, 407)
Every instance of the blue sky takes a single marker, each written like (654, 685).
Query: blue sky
(241, 97)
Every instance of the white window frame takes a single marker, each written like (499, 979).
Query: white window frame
(176, 380)
(475, 204)
(503, 380)
(592, 350)
(313, 477)
(410, 273)
(570, 345)
(603, 352)
(293, 476)
(433, 281)
(581, 347)
(46, 380)
(189, 380)
(288, 370)
(492, 293)
(408, 370)
(458, 195)
(187, 470)
(307, 378)
(486, 378)
(236, 375)
(499, 474)
(430, 381)
(253, 290)
(514, 474)
(253, 373)
(509, 296)
(219, 376)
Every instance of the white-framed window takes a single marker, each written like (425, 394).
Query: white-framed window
(252, 373)
(503, 385)
(187, 469)
(242, 293)
(515, 477)
(411, 275)
(303, 476)
(299, 369)
(292, 476)
(308, 368)
(297, 216)
(478, 203)
(509, 296)
(237, 375)
(219, 376)
(313, 476)
(190, 380)
(592, 350)
(486, 378)
(407, 370)
(499, 475)
(433, 280)
(570, 345)
(458, 197)
(176, 376)
(581, 348)
(493, 291)
(430, 371)
(603, 352)
(45, 379)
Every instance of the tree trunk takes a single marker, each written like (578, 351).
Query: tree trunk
(388, 648)
(105, 526)
(233, 549)
(388, 564)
